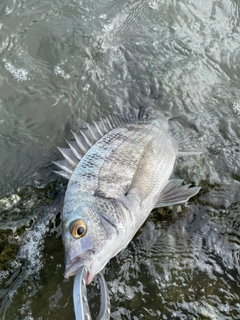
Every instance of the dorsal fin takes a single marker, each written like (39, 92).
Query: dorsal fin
(88, 136)
(75, 149)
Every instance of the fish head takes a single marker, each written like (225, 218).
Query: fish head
(88, 239)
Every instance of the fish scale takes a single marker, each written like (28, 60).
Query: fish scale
(119, 169)
(116, 172)
(86, 174)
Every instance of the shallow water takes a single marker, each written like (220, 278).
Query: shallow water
(67, 62)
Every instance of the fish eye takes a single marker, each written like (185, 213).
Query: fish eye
(78, 229)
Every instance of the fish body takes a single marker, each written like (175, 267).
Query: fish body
(114, 186)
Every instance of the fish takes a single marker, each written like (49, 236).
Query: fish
(118, 169)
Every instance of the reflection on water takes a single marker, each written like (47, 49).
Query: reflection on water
(63, 63)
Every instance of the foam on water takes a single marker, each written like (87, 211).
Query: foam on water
(31, 247)
(8, 11)
(29, 260)
(236, 108)
(8, 202)
(19, 74)
(59, 71)
(3, 275)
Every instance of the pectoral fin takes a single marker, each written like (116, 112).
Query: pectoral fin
(175, 193)
(144, 176)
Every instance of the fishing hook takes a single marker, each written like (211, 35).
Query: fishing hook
(81, 307)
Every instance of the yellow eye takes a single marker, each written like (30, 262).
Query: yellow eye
(78, 229)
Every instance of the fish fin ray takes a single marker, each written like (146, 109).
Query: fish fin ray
(93, 132)
(96, 124)
(85, 134)
(103, 122)
(75, 149)
(81, 142)
(64, 165)
(109, 122)
(69, 156)
(175, 193)
(186, 140)
(63, 174)
(89, 135)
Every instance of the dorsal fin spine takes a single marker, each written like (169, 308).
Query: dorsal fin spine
(86, 138)
(79, 143)
(70, 158)
(74, 150)
(117, 119)
(64, 174)
(103, 125)
(113, 122)
(98, 129)
(109, 123)
(64, 165)
(92, 133)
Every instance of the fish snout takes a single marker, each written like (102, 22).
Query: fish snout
(73, 265)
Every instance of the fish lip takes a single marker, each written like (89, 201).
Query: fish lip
(72, 267)
(68, 273)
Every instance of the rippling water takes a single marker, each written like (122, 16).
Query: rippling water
(67, 62)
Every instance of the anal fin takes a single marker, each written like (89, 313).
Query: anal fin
(175, 193)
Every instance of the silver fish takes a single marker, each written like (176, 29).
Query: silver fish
(118, 170)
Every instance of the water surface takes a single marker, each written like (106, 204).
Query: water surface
(63, 63)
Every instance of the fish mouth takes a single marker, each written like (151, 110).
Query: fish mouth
(72, 268)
